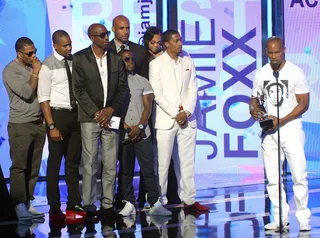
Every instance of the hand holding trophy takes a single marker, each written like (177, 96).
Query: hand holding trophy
(266, 122)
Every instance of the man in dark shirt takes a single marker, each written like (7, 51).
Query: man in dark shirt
(121, 30)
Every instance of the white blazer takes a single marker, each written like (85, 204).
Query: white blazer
(170, 92)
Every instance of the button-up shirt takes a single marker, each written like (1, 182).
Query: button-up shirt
(103, 70)
(118, 46)
(139, 86)
(53, 85)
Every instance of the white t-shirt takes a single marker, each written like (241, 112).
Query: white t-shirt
(292, 81)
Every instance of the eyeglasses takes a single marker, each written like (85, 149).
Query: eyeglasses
(127, 59)
(29, 54)
(103, 34)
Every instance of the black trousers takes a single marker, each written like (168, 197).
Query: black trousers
(69, 148)
(127, 154)
(26, 145)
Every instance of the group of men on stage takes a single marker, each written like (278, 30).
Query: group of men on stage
(82, 96)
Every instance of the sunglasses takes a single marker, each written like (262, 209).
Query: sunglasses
(29, 54)
(103, 34)
(127, 59)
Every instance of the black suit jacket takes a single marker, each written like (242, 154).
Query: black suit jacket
(87, 85)
(140, 53)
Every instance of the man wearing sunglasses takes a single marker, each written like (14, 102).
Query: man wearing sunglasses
(137, 107)
(25, 128)
(63, 129)
(121, 30)
(100, 85)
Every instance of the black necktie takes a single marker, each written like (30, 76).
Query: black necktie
(122, 48)
(72, 98)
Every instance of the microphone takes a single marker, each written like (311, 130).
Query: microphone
(275, 68)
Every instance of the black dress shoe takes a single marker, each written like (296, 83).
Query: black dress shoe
(56, 215)
(90, 208)
(109, 214)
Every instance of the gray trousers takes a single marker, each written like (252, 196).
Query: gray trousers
(26, 145)
(91, 134)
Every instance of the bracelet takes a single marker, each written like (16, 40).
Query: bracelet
(35, 75)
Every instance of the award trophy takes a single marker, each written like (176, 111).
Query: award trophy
(266, 123)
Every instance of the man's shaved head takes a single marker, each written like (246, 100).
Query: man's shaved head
(121, 29)
(93, 28)
(275, 39)
(119, 18)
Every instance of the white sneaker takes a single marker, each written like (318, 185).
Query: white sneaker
(128, 209)
(146, 204)
(158, 210)
(34, 212)
(305, 227)
(275, 226)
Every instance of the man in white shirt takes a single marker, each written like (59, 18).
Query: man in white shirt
(293, 101)
(63, 129)
(173, 79)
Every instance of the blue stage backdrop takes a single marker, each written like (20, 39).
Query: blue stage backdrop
(224, 39)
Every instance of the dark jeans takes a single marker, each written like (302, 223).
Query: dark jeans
(69, 148)
(26, 145)
(144, 152)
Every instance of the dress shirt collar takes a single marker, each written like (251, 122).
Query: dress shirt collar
(58, 56)
(170, 59)
(119, 44)
(105, 53)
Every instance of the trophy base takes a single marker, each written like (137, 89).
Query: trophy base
(266, 124)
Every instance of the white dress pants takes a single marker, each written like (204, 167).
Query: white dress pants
(292, 148)
(181, 144)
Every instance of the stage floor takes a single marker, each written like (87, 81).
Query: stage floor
(239, 211)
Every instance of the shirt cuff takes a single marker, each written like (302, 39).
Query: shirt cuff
(43, 99)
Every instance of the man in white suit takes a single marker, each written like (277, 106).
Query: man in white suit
(173, 79)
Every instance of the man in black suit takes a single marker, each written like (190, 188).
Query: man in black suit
(121, 30)
(100, 85)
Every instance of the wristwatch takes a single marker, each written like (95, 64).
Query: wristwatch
(142, 127)
(51, 126)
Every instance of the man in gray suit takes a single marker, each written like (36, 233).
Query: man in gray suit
(100, 85)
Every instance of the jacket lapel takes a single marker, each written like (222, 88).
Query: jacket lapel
(109, 74)
(112, 46)
(95, 70)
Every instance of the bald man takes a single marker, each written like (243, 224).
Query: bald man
(291, 107)
(121, 30)
(100, 85)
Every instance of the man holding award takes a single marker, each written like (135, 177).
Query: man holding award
(293, 100)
